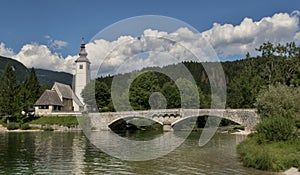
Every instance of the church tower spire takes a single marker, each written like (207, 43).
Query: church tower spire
(82, 71)
(82, 53)
(82, 49)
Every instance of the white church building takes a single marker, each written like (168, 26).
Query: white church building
(61, 99)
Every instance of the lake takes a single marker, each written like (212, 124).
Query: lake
(72, 153)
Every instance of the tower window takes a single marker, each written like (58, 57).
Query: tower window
(80, 66)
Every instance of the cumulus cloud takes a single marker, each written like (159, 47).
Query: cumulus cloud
(159, 48)
(7, 52)
(40, 56)
(238, 40)
(153, 48)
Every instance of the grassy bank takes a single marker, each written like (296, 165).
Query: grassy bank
(56, 120)
(51, 120)
(274, 156)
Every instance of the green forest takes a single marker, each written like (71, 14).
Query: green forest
(276, 64)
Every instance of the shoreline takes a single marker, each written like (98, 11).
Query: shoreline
(291, 171)
(59, 128)
(242, 132)
(39, 128)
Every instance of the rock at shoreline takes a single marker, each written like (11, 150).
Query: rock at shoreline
(292, 171)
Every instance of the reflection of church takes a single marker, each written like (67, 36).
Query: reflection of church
(61, 99)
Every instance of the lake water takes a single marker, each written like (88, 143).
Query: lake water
(71, 153)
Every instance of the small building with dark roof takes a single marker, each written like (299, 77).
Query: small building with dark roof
(60, 98)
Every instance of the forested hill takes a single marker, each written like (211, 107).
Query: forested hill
(44, 76)
(277, 64)
(20, 70)
(49, 77)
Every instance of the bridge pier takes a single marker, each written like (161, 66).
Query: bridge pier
(167, 128)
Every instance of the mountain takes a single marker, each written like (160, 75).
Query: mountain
(20, 70)
(49, 77)
(44, 76)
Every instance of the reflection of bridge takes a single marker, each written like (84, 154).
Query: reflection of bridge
(170, 117)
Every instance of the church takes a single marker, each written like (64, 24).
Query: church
(61, 99)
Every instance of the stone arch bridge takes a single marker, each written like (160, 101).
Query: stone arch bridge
(170, 117)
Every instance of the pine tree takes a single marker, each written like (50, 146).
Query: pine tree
(30, 91)
(34, 87)
(9, 90)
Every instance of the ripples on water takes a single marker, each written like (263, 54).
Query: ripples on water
(71, 153)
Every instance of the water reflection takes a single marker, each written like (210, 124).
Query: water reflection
(72, 153)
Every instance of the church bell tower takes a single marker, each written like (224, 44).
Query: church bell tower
(82, 72)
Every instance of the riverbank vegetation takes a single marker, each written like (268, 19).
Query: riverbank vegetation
(68, 121)
(276, 144)
(56, 120)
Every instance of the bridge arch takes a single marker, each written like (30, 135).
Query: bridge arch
(133, 117)
(204, 115)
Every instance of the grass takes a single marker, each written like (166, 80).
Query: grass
(274, 156)
(13, 126)
(56, 120)
(3, 121)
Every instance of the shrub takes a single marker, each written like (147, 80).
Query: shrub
(3, 121)
(12, 126)
(254, 155)
(25, 126)
(277, 128)
(48, 129)
(273, 156)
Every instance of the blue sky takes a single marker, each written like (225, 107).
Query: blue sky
(31, 20)
(66, 21)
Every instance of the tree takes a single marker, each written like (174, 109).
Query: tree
(172, 95)
(142, 88)
(9, 90)
(102, 94)
(278, 100)
(96, 93)
(189, 94)
(30, 90)
(33, 86)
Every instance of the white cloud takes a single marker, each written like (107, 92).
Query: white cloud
(237, 40)
(7, 52)
(158, 48)
(40, 56)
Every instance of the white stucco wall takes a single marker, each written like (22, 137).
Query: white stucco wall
(41, 112)
(82, 77)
